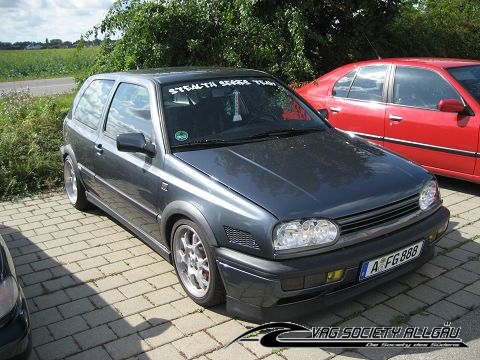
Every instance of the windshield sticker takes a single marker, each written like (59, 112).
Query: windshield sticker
(181, 135)
(236, 100)
(221, 83)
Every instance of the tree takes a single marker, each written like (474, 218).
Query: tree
(55, 43)
(204, 32)
(295, 40)
(449, 28)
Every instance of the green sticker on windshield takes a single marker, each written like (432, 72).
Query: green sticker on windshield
(181, 135)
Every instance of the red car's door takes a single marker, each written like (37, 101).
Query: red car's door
(415, 128)
(357, 102)
(362, 118)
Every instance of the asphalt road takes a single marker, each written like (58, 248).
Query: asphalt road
(40, 87)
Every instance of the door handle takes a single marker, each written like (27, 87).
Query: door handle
(99, 149)
(395, 118)
(335, 108)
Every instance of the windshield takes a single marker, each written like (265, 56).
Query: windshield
(224, 111)
(469, 78)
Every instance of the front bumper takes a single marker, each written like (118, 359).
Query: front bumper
(15, 331)
(254, 285)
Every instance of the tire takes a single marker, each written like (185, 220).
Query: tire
(73, 187)
(195, 265)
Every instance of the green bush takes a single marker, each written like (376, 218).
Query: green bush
(30, 138)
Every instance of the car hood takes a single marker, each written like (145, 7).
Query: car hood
(327, 174)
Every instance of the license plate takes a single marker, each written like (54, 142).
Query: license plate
(390, 261)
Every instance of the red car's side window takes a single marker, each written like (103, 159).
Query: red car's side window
(342, 86)
(422, 88)
(364, 84)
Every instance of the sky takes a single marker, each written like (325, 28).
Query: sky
(38, 20)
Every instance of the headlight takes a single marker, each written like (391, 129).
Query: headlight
(429, 195)
(8, 295)
(301, 233)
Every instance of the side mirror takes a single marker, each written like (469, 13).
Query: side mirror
(135, 142)
(451, 105)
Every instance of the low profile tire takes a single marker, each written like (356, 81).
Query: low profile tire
(195, 264)
(73, 187)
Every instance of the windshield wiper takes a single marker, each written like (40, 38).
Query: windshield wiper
(259, 137)
(285, 132)
(204, 143)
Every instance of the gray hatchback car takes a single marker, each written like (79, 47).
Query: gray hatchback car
(251, 195)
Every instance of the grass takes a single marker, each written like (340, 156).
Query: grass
(278, 351)
(400, 320)
(46, 63)
(460, 244)
(30, 138)
(405, 318)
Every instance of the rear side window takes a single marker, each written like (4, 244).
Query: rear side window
(422, 88)
(342, 86)
(368, 84)
(364, 84)
(90, 107)
(129, 112)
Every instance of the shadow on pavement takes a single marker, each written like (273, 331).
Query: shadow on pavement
(71, 316)
(464, 187)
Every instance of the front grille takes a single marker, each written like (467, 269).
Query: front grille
(378, 216)
(240, 237)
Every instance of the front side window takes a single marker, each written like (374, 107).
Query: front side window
(422, 88)
(469, 78)
(90, 107)
(238, 109)
(129, 112)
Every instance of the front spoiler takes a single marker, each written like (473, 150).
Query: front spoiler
(254, 287)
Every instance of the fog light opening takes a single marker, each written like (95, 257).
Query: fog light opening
(335, 275)
(293, 284)
(432, 236)
(443, 228)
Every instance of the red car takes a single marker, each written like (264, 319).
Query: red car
(427, 109)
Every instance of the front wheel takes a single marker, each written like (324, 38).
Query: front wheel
(73, 187)
(195, 264)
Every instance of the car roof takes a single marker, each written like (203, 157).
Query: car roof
(180, 74)
(430, 61)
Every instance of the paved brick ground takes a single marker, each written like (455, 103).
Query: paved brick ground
(97, 292)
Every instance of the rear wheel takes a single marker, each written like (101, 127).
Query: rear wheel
(195, 264)
(73, 187)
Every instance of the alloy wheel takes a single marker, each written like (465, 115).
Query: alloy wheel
(191, 261)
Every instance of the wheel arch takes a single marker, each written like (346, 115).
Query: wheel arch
(179, 209)
(67, 150)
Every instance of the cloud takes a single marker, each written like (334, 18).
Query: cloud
(85, 4)
(10, 4)
(36, 20)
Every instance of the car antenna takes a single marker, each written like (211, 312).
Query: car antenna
(375, 50)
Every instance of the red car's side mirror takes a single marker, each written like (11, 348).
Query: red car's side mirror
(451, 105)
